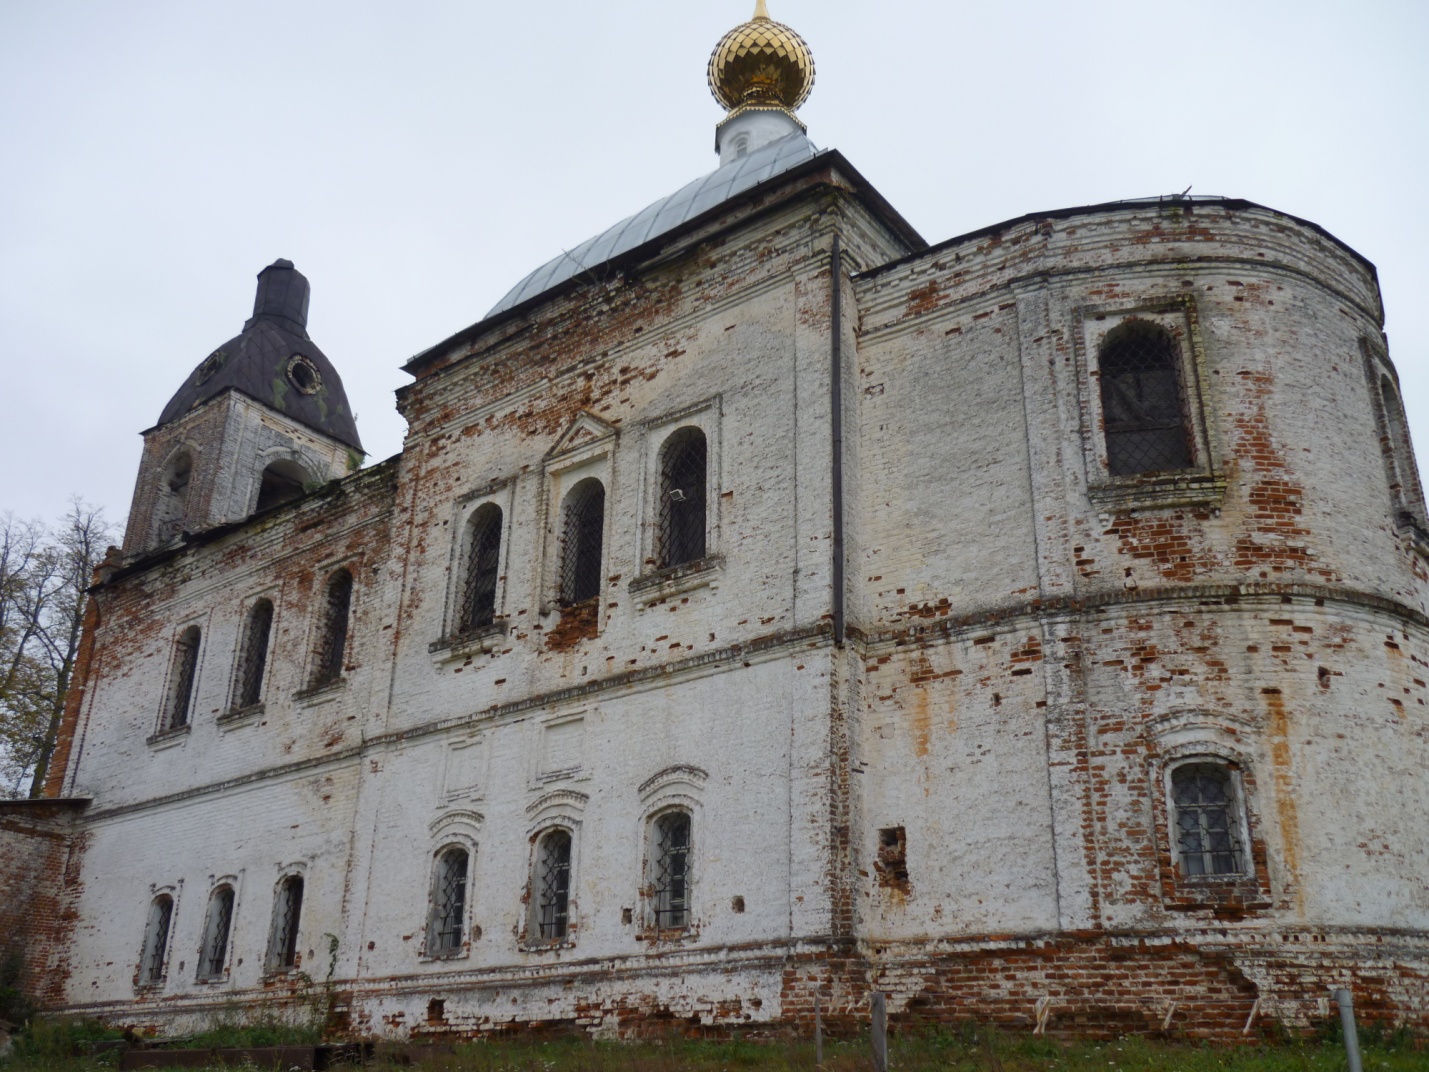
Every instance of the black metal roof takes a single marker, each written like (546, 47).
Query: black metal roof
(263, 361)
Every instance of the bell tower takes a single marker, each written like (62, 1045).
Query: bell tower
(259, 422)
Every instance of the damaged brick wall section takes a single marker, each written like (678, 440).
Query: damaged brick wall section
(40, 848)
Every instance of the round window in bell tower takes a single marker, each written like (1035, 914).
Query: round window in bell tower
(304, 375)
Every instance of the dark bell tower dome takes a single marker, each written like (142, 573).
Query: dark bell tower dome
(274, 362)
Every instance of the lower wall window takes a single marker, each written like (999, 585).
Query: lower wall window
(670, 870)
(1207, 820)
(552, 885)
(213, 957)
(287, 912)
(446, 929)
(156, 940)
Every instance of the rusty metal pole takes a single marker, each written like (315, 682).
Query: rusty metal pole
(880, 1033)
(1345, 1000)
(818, 1033)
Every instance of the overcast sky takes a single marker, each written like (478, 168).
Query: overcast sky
(416, 159)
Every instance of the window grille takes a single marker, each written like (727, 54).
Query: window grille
(215, 935)
(333, 645)
(1143, 412)
(255, 654)
(671, 887)
(581, 538)
(449, 903)
(483, 565)
(181, 685)
(681, 535)
(156, 940)
(287, 911)
(1207, 822)
(553, 882)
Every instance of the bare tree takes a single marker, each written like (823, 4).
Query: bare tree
(43, 577)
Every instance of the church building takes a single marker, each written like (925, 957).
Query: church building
(768, 606)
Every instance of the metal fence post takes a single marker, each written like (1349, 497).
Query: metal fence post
(1345, 1000)
(880, 1033)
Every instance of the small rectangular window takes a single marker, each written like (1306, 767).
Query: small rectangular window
(181, 679)
(553, 885)
(446, 931)
(1207, 820)
(332, 635)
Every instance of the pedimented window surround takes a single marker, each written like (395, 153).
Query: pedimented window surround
(1201, 483)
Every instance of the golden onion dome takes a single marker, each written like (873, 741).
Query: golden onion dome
(761, 64)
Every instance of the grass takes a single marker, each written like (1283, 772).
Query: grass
(51, 1048)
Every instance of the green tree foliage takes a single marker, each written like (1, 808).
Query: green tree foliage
(44, 572)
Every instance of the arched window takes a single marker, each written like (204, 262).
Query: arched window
(1404, 480)
(681, 534)
(332, 636)
(551, 885)
(447, 927)
(669, 881)
(582, 533)
(253, 656)
(173, 504)
(482, 567)
(1143, 412)
(287, 912)
(181, 679)
(283, 481)
(213, 957)
(156, 940)
(1207, 820)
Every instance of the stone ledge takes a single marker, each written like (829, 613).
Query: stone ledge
(1156, 493)
(477, 642)
(659, 585)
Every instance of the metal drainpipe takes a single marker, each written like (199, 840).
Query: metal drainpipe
(836, 394)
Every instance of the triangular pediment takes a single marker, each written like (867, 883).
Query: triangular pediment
(584, 431)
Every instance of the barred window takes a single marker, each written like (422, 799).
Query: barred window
(1143, 411)
(1207, 820)
(552, 883)
(213, 957)
(681, 531)
(482, 569)
(446, 929)
(181, 679)
(253, 658)
(156, 940)
(287, 912)
(332, 637)
(670, 870)
(582, 533)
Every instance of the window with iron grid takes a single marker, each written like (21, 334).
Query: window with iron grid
(1206, 820)
(681, 534)
(449, 904)
(483, 564)
(1143, 409)
(215, 946)
(287, 910)
(582, 534)
(336, 611)
(181, 688)
(553, 885)
(156, 940)
(670, 893)
(255, 654)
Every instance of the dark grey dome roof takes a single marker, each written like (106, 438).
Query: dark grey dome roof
(274, 362)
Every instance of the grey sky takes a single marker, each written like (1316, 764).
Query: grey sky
(415, 160)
